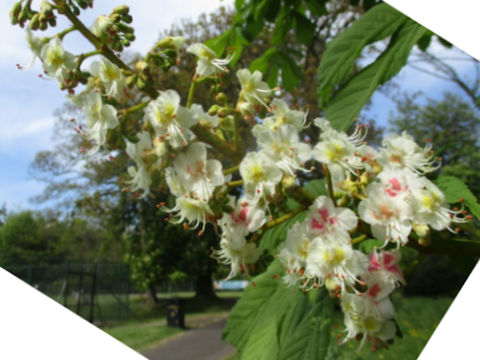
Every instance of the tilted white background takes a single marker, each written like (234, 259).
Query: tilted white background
(33, 326)
(456, 21)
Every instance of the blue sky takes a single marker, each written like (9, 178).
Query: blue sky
(28, 102)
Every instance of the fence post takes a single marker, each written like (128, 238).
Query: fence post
(30, 274)
(92, 292)
(65, 297)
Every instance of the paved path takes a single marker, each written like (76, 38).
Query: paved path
(202, 343)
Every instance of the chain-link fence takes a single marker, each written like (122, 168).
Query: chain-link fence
(98, 292)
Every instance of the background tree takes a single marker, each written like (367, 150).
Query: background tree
(29, 239)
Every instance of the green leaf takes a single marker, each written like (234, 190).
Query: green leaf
(445, 43)
(282, 25)
(424, 41)
(256, 320)
(454, 189)
(268, 65)
(291, 73)
(253, 27)
(239, 4)
(243, 316)
(456, 246)
(316, 187)
(220, 43)
(272, 75)
(347, 103)
(267, 10)
(311, 338)
(368, 245)
(339, 59)
(238, 41)
(316, 7)
(305, 29)
(276, 235)
(271, 321)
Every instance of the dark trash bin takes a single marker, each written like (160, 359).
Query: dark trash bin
(175, 312)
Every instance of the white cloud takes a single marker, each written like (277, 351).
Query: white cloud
(33, 134)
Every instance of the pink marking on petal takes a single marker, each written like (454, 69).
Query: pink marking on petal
(317, 225)
(388, 258)
(241, 218)
(390, 192)
(395, 184)
(324, 214)
(374, 266)
(243, 214)
(374, 290)
(374, 262)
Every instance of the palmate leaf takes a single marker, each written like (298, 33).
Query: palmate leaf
(311, 338)
(454, 189)
(347, 103)
(316, 187)
(271, 319)
(339, 59)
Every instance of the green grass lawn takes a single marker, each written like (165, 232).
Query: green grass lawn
(142, 336)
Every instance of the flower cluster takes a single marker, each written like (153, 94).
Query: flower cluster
(377, 193)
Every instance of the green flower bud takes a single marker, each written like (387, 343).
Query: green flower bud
(131, 80)
(124, 28)
(35, 22)
(130, 37)
(117, 46)
(122, 10)
(52, 21)
(288, 182)
(45, 7)
(221, 98)
(141, 66)
(24, 15)
(213, 110)
(170, 42)
(127, 19)
(116, 17)
(15, 12)
(222, 112)
(141, 83)
(421, 230)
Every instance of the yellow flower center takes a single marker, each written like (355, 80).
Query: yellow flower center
(206, 54)
(335, 152)
(430, 201)
(166, 116)
(256, 173)
(55, 58)
(302, 249)
(111, 74)
(334, 257)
